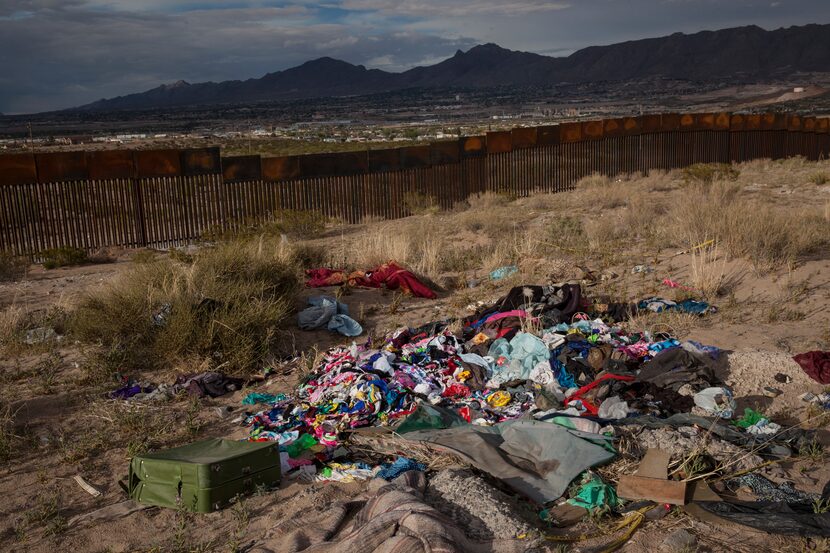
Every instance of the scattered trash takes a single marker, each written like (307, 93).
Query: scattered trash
(86, 486)
(40, 335)
(772, 392)
(641, 269)
(816, 364)
(651, 481)
(390, 274)
(503, 272)
(717, 401)
(783, 378)
(327, 311)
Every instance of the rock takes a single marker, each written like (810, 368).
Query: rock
(772, 392)
(679, 540)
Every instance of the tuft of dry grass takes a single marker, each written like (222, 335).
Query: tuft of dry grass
(709, 273)
(12, 267)
(226, 305)
(604, 192)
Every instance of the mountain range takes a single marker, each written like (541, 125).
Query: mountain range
(741, 53)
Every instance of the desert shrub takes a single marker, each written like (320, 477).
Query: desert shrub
(707, 173)
(766, 236)
(226, 305)
(489, 200)
(299, 223)
(63, 257)
(819, 178)
(417, 203)
(567, 233)
(143, 256)
(603, 192)
(12, 267)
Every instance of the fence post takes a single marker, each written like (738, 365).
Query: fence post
(139, 211)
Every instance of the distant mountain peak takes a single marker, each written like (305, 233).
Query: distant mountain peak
(178, 84)
(739, 54)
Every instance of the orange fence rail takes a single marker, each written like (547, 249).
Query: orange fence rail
(163, 198)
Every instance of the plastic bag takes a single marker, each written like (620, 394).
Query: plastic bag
(716, 401)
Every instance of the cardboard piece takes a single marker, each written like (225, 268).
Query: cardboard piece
(651, 481)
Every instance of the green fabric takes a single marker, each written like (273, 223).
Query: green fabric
(593, 493)
(299, 445)
(255, 397)
(430, 417)
(750, 418)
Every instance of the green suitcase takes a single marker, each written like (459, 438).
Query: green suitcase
(203, 476)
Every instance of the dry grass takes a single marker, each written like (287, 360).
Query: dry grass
(12, 267)
(226, 306)
(709, 273)
(603, 192)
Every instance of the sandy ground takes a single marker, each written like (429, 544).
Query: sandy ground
(67, 425)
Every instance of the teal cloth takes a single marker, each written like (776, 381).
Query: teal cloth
(594, 493)
(255, 397)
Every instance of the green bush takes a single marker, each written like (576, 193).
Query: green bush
(300, 223)
(225, 306)
(420, 204)
(63, 257)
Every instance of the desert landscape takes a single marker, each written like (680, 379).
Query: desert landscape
(750, 240)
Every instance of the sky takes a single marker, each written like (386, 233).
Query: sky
(56, 54)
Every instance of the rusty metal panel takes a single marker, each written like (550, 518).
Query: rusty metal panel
(670, 121)
(61, 166)
(111, 164)
(592, 129)
(444, 152)
(384, 160)
(613, 127)
(722, 121)
(239, 168)
(737, 122)
(414, 156)
(632, 125)
(822, 125)
(280, 168)
(158, 163)
(547, 135)
(705, 121)
(688, 122)
(201, 161)
(472, 146)
(18, 169)
(767, 121)
(781, 121)
(339, 164)
(524, 137)
(808, 124)
(499, 142)
(794, 123)
(651, 123)
(570, 132)
(753, 122)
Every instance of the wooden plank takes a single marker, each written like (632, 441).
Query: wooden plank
(652, 489)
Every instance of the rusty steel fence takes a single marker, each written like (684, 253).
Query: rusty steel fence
(163, 198)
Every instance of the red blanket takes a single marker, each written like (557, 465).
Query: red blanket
(389, 274)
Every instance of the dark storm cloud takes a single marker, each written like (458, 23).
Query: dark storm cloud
(60, 53)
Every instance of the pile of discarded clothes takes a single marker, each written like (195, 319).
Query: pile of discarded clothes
(532, 390)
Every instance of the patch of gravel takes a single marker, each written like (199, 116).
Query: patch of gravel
(749, 371)
(482, 511)
(682, 441)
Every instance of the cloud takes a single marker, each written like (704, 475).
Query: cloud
(61, 53)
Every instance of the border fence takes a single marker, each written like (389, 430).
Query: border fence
(164, 198)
